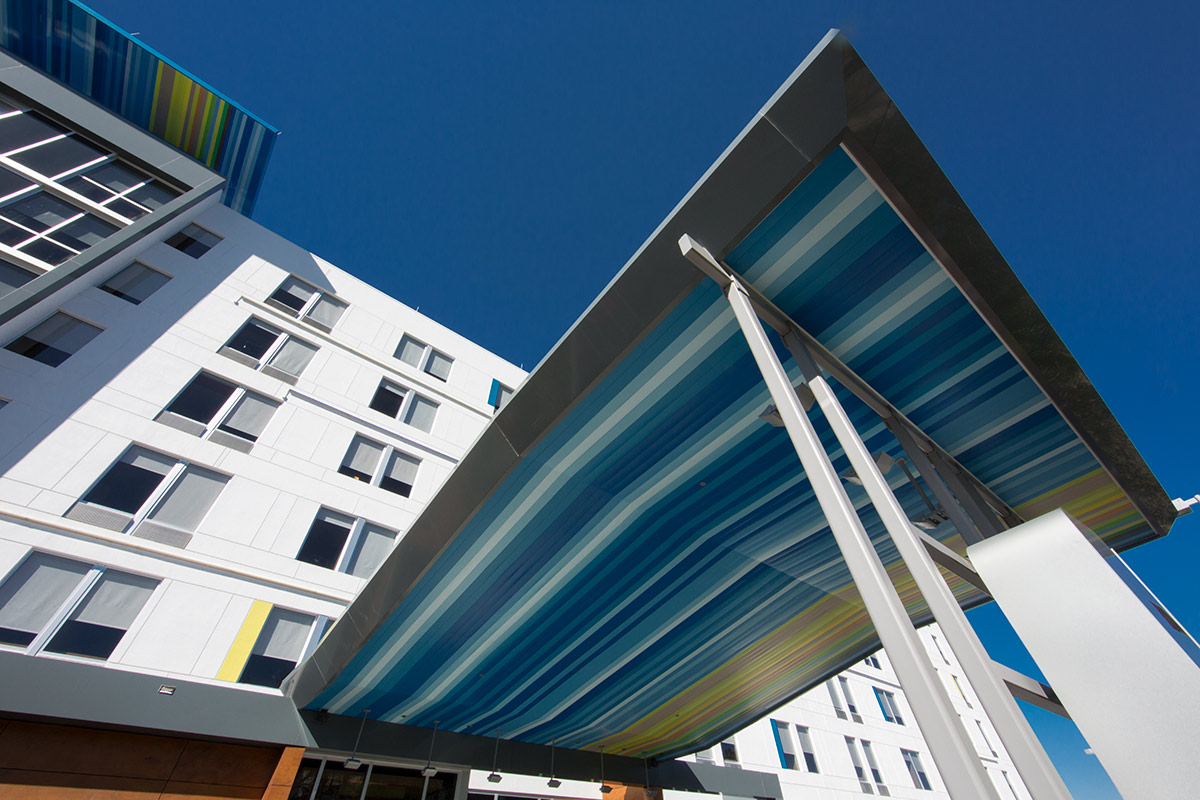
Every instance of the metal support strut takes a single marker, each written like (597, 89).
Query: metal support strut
(949, 744)
(1022, 744)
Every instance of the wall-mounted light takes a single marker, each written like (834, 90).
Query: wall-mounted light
(352, 762)
(604, 787)
(494, 777)
(554, 782)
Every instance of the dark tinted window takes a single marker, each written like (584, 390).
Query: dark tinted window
(135, 283)
(25, 129)
(202, 398)
(254, 339)
(125, 487)
(54, 340)
(12, 277)
(325, 541)
(59, 156)
(194, 241)
(266, 671)
(388, 399)
(11, 182)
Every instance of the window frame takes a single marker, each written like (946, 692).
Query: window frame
(354, 538)
(150, 504)
(860, 770)
(303, 314)
(888, 705)
(807, 749)
(74, 599)
(57, 312)
(54, 185)
(214, 429)
(851, 706)
(404, 413)
(264, 363)
(916, 769)
(317, 625)
(208, 248)
(381, 465)
(425, 361)
(103, 285)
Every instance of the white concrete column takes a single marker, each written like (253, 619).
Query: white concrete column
(1022, 744)
(949, 744)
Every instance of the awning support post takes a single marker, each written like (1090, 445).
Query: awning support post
(1022, 744)
(949, 744)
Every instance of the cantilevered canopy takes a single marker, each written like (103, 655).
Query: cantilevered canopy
(629, 558)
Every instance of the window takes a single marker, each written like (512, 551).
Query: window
(806, 747)
(986, 741)
(261, 346)
(783, 743)
(121, 189)
(344, 543)
(365, 458)
(873, 765)
(916, 770)
(838, 708)
(329, 778)
(152, 495)
(1008, 783)
(938, 646)
(135, 283)
(420, 355)
(230, 415)
(705, 756)
(499, 395)
(872, 661)
(850, 706)
(12, 277)
(961, 693)
(54, 340)
(56, 605)
(887, 704)
(859, 772)
(729, 753)
(405, 405)
(278, 647)
(105, 193)
(301, 299)
(194, 241)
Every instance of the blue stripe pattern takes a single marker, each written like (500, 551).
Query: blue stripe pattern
(656, 574)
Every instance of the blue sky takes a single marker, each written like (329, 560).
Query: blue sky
(496, 164)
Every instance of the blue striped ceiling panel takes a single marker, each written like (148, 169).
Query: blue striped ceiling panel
(655, 573)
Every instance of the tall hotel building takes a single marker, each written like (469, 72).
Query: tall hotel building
(210, 438)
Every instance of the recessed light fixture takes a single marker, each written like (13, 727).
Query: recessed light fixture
(165, 689)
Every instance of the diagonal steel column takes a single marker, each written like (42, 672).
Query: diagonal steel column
(958, 515)
(1022, 744)
(978, 508)
(949, 744)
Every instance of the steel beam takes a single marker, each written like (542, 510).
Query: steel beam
(781, 323)
(1022, 744)
(949, 743)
